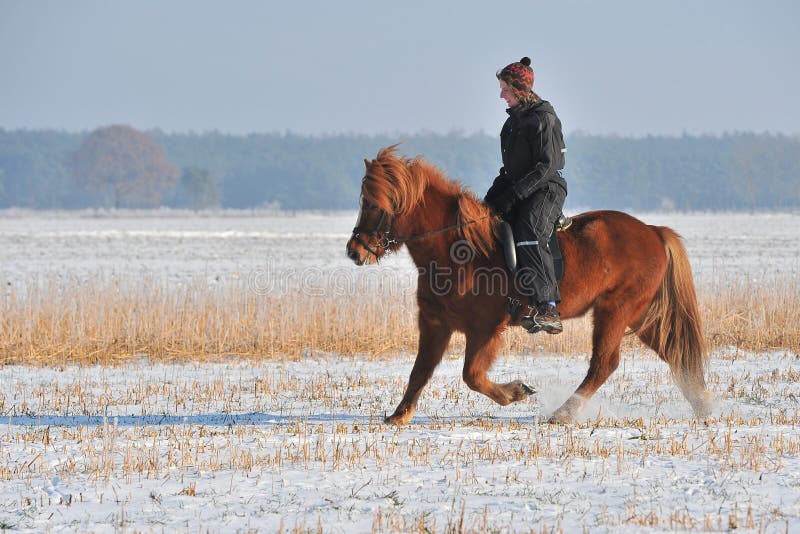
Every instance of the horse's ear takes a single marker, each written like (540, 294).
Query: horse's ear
(366, 163)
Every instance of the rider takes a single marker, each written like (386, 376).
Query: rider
(530, 191)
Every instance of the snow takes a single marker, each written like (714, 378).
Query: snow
(287, 246)
(260, 445)
(269, 446)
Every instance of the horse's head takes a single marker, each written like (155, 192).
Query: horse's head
(389, 191)
(371, 237)
(403, 200)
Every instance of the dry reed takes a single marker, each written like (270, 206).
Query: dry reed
(110, 320)
(463, 456)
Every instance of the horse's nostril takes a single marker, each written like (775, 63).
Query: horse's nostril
(353, 255)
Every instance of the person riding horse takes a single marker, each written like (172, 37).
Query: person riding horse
(633, 277)
(530, 190)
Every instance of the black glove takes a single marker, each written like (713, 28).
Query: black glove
(491, 195)
(498, 185)
(503, 203)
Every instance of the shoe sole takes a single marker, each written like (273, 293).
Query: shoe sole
(533, 327)
(553, 330)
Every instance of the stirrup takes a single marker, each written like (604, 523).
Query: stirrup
(563, 223)
(533, 324)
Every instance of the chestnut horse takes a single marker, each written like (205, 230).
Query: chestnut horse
(630, 274)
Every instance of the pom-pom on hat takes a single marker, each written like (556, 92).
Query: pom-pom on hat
(519, 76)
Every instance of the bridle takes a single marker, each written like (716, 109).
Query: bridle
(387, 240)
(383, 242)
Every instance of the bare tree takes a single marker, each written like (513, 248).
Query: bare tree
(124, 165)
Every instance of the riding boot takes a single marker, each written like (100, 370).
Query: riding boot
(543, 317)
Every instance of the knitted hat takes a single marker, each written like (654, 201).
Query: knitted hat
(519, 77)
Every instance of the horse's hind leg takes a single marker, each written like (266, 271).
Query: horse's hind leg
(692, 387)
(609, 327)
(481, 352)
(433, 339)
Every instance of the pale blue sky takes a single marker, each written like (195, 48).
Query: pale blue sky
(625, 67)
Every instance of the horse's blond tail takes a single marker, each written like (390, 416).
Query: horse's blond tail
(672, 326)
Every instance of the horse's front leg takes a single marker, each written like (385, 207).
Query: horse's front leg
(434, 336)
(481, 352)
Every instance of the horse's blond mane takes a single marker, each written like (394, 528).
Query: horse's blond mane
(397, 185)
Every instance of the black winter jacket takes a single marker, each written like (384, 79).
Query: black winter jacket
(533, 152)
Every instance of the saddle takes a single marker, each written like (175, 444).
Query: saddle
(510, 249)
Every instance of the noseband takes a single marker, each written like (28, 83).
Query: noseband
(387, 240)
(383, 242)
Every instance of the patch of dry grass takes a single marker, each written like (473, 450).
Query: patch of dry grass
(354, 461)
(108, 321)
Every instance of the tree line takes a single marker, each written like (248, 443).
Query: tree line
(118, 166)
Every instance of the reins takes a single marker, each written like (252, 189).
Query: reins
(400, 240)
(387, 240)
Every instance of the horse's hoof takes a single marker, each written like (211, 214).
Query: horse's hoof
(560, 418)
(702, 403)
(397, 419)
(566, 413)
(519, 390)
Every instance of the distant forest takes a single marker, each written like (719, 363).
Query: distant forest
(739, 171)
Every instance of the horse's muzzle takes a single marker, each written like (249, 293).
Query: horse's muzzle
(354, 252)
(355, 256)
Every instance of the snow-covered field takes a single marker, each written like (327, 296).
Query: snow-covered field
(231, 447)
(269, 446)
(178, 246)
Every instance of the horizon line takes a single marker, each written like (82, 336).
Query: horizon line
(420, 133)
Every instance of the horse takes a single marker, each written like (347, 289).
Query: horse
(629, 274)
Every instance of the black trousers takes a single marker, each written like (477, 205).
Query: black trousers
(533, 221)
